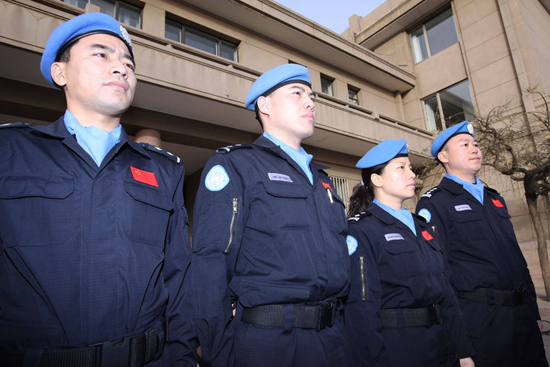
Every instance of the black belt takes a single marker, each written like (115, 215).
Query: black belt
(424, 316)
(132, 351)
(315, 317)
(495, 296)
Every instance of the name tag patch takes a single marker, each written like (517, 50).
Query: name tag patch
(461, 208)
(393, 237)
(279, 177)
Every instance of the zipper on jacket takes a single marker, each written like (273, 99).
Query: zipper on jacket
(363, 283)
(231, 229)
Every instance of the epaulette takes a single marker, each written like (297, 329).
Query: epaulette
(492, 190)
(165, 153)
(230, 148)
(428, 194)
(15, 124)
(358, 216)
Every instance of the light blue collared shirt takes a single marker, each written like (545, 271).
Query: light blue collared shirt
(301, 157)
(476, 189)
(96, 142)
(403, 215)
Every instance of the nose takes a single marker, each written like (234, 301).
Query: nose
(119, 68)
(309, 103)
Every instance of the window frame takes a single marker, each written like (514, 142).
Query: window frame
(117, 3)
(184, 28)
(330, 90)
(442, 120)
(352, 89)
(425, 35)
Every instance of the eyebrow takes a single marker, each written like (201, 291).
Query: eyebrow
(112, 51)
(302, 89)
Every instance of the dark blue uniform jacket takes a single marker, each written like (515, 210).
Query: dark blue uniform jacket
(483, 252)
(90, 254)
(268, 237)
(479, 239)
(394, 269)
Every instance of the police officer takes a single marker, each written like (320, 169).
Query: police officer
(401, 309)
(94, 248)
(489, 273)
(269, 240)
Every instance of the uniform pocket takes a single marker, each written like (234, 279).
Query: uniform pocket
(470, 223)
(37, 210)
(148, 214)
(286, 205)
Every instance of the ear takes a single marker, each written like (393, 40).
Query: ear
(58, 73)
(376, 180)
(263, 105)
(443, 157)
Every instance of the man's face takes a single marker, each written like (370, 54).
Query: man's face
(461, 156)
(292, 113)
(99, 76)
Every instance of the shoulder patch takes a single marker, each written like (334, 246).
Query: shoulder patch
(428, 194)
(230, 148)
(352, 244)
(216, 179)
(356, 217)
(15, 124)
(424, 215)
(165, 153)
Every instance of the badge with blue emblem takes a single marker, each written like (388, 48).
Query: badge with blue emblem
(425, 213)
(216, 179)
(352, 244)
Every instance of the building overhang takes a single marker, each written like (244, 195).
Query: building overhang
(279, 24)
(398, 20)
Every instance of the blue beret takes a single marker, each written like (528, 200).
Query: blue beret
(75, 29)
(275, 78)
(461, 128)
(383, 152)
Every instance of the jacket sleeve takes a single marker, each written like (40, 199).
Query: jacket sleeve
(217, 232)
(364, 302)
(451, 310)
(181, 341)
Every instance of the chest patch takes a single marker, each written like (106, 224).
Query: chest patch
(427, 236)
(352, 244)
(497, 203)
(144, 177)
(394, 237)
(216, 179)
(279, 177)
(463, 207)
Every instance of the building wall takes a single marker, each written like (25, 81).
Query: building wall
(503, 49)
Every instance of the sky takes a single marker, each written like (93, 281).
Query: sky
(332, 14)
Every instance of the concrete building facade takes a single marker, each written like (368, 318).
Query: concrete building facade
(468, 57)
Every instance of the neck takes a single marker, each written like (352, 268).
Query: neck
(465, 177)
(95, 119)
(391, 201)
(291, 142)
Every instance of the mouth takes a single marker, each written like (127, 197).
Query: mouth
(118, 85)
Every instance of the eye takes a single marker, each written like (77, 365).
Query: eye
(101, 54)
(130, 66)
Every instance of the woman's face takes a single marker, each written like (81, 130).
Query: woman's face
(396, 182)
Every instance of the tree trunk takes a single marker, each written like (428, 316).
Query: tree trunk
(541, 241)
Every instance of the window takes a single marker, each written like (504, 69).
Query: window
(353, 94)
(201, 40)
(342, 188)
(123, 12)
(326, 85)
(449, 107)
(434, 36)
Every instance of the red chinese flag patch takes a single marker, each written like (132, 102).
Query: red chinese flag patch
(497, 203)
(144, 176)
(327, 186)
(427, 236)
